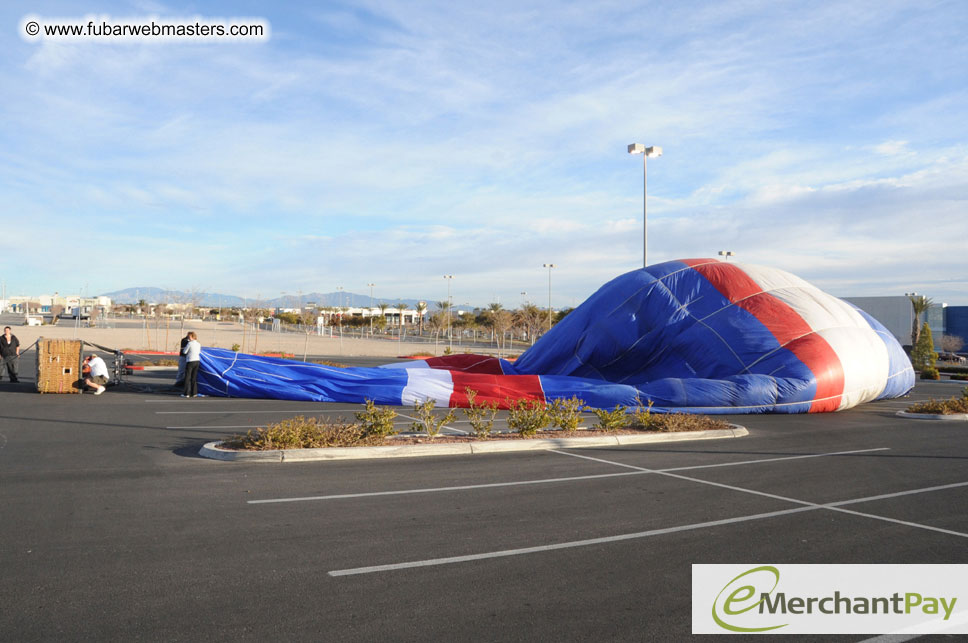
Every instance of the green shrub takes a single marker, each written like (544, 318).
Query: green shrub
(480, 415)
(377, 421)
(427, 421)
(527, 417)
(642, 417)
(236, 347)
(930, 373)
(612, 420)
(565, 413)
(448, 350)
(302, 433)
(923, 355)
(958, 376)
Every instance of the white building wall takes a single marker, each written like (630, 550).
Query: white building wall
(894, 312)
(897, 315)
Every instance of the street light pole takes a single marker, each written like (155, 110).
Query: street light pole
(646, 152)
(450, 304)
(371, 308)
(549, 266)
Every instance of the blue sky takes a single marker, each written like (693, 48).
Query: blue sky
(395, 142)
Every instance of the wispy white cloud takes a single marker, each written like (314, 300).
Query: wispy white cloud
(390, 143)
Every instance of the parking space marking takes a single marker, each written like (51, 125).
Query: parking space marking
(566, 545)
(832, 506)
(804, 506)
(402, 492)
(776, 459)
(639, 471)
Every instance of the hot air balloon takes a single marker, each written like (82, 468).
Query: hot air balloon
(693, 335)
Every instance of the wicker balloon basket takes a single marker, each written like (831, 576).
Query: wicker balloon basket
(59, 365)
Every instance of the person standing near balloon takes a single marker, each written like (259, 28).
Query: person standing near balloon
(10, 352)
(192, 353)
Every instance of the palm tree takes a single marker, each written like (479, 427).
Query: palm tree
(920, 304)
(421, 309)
(383, 310)
(400, 308)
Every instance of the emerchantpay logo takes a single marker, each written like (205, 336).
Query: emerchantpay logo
(829, 599)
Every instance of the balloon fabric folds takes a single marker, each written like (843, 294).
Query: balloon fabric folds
(694, 335)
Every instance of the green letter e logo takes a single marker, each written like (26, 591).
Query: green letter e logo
(736, 598)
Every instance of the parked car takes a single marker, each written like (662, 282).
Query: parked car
(951, 357)
(33, 321)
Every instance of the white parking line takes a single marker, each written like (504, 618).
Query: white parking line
(468, 487)
(639, 471)
(832, 506)
(567, 545)
(806, 506)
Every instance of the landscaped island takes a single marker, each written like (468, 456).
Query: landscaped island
(527, 419)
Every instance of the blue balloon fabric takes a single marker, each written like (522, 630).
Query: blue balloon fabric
(694, 335)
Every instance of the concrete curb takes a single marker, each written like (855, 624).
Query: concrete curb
(955, 417)
(213, 451)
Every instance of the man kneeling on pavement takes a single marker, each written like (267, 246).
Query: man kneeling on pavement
(98, 375)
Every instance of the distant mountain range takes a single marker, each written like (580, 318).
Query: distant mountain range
(154, 295)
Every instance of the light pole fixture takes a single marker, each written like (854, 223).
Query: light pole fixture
(371, 307)
(727, 254)
(549, 266)
(450, 303)
(646, 152)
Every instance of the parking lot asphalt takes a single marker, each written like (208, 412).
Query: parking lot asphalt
(114, 529)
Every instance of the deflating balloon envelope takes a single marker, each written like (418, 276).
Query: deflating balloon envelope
(695, 335)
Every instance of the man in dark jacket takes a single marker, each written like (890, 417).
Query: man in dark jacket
(10, 352)
(180, 378)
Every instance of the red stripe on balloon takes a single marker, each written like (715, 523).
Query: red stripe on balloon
(789, 328)
(495, 388)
